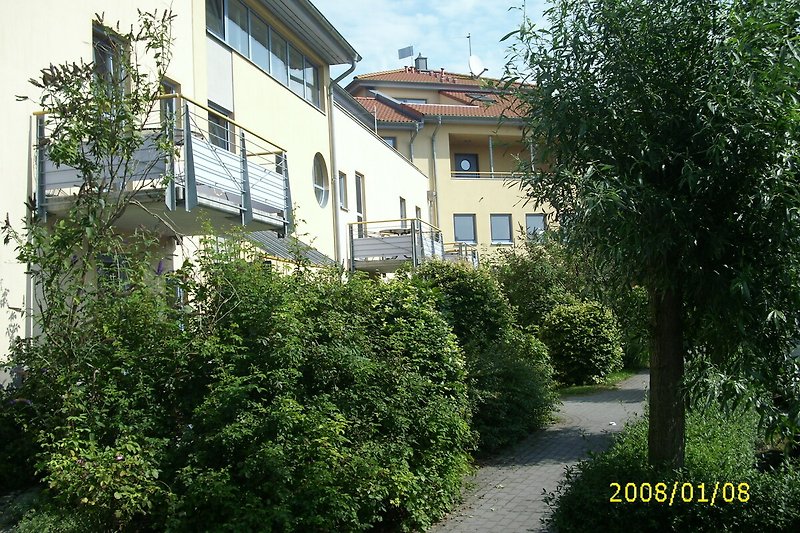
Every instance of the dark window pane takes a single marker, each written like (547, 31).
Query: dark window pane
(214, 21)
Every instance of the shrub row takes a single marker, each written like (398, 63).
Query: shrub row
(271, 403)
(510, 384)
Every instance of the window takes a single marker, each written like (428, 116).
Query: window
(259, 43)
(361, 203)
(342, 190)
(238, 26)
(464, 226)
(278, 58)
(403, 213)
(501, 229)
(418, 213)
(296, 71)
(107, 56)
(219, 129)
(391, 141)
(215, 21)
(321, 186)
(534, 223)
(466, 166)
(412, 100)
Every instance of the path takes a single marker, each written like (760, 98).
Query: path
(507, 493)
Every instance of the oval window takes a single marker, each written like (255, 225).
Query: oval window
(321, 181)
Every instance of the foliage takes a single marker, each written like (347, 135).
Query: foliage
(335, 405)
(584, 342)
(509, 374)
(535, 278)
(222, 396)
(543, 273)
(721, 447)
(668, 136)
(16, 442)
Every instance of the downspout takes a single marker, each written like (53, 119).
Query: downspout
(435, 175)
(334, 168)
(418, 128)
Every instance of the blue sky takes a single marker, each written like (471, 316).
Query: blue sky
(436, 28)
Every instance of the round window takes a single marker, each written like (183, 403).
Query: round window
(465, 164)
(321, 182)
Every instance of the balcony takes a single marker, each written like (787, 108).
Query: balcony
(383, 246)
(462, 252)
(241, 179)
(461, 175)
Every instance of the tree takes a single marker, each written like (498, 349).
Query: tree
(668, 144)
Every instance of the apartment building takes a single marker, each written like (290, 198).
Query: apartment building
(467, 138)
(261, 140)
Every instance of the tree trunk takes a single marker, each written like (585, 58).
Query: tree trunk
(666, 438)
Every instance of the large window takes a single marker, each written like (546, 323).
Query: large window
(321, 183)
(534, 223)
(464, 226)
(237, 25)
(501, 229)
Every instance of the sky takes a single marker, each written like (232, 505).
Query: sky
(438, 29)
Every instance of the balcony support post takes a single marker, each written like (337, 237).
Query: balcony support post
(288, 214)
(169, 192)
(491, 155)
(41, 185)
(352, 249)
(190, 197)
(246, 207)
(414, 251)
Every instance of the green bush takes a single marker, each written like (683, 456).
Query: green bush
(584, 342)
(720, 447)
(336, 406)
(534, 278)
(509, 375)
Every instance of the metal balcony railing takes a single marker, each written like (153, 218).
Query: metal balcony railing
(501, 175)
(463, 252)
(244, 177)
(384, 245)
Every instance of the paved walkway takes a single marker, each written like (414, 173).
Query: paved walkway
(508, 489)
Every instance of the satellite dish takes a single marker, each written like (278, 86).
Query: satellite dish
(476, 67)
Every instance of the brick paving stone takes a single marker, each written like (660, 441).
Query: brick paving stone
(506, 494)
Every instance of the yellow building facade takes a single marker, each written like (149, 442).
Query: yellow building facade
(262, 142)
(467, 138)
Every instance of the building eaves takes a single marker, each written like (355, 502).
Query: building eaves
(304, 19)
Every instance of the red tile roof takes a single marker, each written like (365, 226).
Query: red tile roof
(409, 74)
(384, 112)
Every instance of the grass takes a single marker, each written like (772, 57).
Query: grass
(609, 383)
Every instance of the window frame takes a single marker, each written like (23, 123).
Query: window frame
(536, 231)
(320, 180)
(470, 216)
(403, 213)
(509, 218)
(343, 191)
(223, 124)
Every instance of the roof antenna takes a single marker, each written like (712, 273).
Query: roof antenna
(476, 67)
